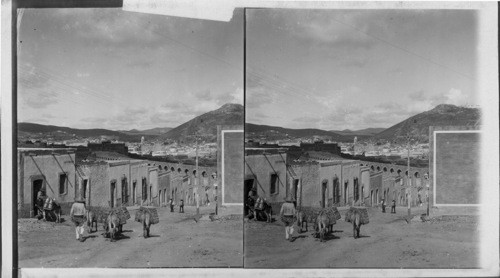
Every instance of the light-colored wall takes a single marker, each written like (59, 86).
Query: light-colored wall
(153, 186)
(98, 183)
(350, 170)
(47, 167)
(260, 169)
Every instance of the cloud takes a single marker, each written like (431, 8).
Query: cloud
(232, 97)
(417, 95)
(204, 95)
(307, 119)
(140, 64)
(340, 30)
(82, 74)
(128, 118)
(456, 97)
(259, 96)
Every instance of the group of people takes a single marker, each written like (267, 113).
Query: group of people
(393, 206)
(172, 205)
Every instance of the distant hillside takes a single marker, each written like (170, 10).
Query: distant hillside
(205, 126)
(152, 131)
(362, 132)
(254, 131)
(441, 115)
(64, 133)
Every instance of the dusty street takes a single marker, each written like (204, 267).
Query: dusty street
(177, 241)
(387, 241)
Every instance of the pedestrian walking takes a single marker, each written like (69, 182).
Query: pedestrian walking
(78, 216)
(171, 205)
(287, 215)
(181, 206)
(393, 207)
(383, 205)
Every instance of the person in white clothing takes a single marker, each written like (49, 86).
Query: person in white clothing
(78, 215)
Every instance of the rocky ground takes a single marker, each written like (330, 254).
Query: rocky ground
(445, 241)
(177, 241)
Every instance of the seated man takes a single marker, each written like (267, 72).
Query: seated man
(40, 213)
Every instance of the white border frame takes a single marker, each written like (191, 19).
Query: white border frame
(434, 168)
(223, 185)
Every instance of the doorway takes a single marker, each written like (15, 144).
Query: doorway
(324, 193)
(346, 192)
(133, 192)
(37, 186)
(247, 187)
(112, 189)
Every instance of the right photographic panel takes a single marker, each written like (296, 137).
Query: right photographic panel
(362, 139)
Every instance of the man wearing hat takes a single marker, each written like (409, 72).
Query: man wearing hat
(287, 214)
(78, 216)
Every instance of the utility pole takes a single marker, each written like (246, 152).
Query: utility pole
(409, 176)
(427, 185)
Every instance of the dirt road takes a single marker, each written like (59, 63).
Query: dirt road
(177, 241)
(387, 241)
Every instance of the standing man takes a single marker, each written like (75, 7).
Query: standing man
(383, 205)
(393, 207)
(181, 206)
(78, 216)
(287, 215)
(171, 205)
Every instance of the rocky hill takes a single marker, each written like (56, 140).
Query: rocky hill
(441, 115)
(205, 126)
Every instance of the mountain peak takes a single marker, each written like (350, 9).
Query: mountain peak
(445, 108)
(231, 107)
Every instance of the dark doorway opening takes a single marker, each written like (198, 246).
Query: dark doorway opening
(324, 194)
(37, 186)
(247, 187)
(112, 189)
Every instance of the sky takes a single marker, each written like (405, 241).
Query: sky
(356, 69)
(109, 68)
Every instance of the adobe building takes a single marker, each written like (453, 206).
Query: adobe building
(113, 183)
(266, 173)
(230, 161)
(323, 183)
(376, 188)
(396, 183)
(51, 170)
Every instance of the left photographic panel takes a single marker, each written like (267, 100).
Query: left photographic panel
(130, 139)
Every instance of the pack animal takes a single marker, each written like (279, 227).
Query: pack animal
(301, 219)
(111, 226)
(91, 219)
(52, 210)
(356, 223)
(263, 207)
(323, 222)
